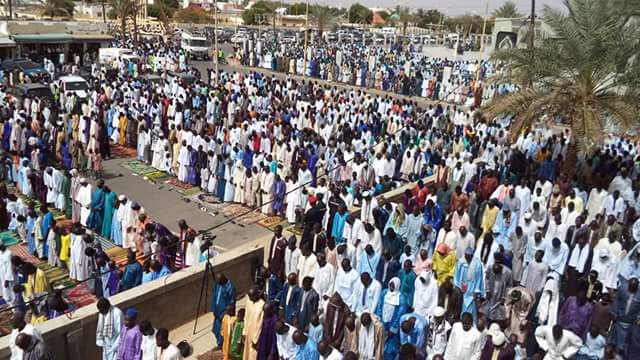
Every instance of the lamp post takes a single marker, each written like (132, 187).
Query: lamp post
(306, 41)
(215, 37)
(532, 25)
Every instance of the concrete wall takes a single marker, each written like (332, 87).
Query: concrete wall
(168, 302)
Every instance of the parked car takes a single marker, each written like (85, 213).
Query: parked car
(32, 90)
(184, 78)
(33, 70)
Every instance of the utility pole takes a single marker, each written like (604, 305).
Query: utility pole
(532, 25)
(215, 37)
(306, 34)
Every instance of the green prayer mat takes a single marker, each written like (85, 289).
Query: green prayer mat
(138, 167)
(9, 238)
(189, 191)
(158, 176)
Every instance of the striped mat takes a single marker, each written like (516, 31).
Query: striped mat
(21, 251)
(158, 176)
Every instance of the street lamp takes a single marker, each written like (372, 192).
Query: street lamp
(306, 30)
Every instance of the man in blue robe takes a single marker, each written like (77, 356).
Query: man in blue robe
(469, 278)
(45, 227)
(94, 221)
(626, 309)
(337, 227)
(306, 348)
(279, 191)
(504, 226)
(247, 158)
(132, 275)
(289, 298)
(223, 295)
(433, 215)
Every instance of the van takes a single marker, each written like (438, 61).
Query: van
(108, 55)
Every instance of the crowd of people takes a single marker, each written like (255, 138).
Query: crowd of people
(509, 249)
(398, 69)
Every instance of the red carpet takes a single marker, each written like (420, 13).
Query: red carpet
(122, 151)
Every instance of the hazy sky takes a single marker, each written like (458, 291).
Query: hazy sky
(449, 7)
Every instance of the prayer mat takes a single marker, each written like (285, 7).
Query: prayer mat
(211, 355)
(294, 230)
(137, 167)
(22, 251)
(158, 176)
(233, 210)
(9, 238)
(178, 184)
(251, 218)
(105, 243)
(270, 221)
(56, 276)
(189, 191)
(120, 151)
(80, 295)
(117, 254)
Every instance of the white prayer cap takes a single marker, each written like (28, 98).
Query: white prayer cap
(603, 253)
(122, 197)
(527, 216)
(83, 180)
(498, 339)
(73, 172)
(438, 311)
(365, 194)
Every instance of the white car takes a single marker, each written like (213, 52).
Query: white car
(74, 84)
(239, 38)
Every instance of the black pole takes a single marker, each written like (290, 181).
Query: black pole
(10, 9)
(532, 25)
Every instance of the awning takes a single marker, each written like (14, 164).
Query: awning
(91, 38)
(6, 42)
(51, 38)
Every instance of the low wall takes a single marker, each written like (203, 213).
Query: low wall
(167, 302)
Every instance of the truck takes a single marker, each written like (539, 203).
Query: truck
(196, 45)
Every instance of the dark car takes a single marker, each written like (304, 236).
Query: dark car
(33, 90)
(31, 69)
(184, 78)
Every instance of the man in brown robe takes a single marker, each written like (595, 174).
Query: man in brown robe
(335, 318)
(519, 301)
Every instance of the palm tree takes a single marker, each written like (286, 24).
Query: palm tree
(404, 17)
(53, 8)
(507, 10)
(585, 72)
(122, 9)
(322, 16)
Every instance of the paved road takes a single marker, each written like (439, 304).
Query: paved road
(167, 207)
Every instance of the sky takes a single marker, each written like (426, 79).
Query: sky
(449, 7)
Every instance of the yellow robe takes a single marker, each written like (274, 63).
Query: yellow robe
(488, 219)
(36, 285)
(252, 328)
(444, 266)
(123, 130)
(228, 323)
(64, 249)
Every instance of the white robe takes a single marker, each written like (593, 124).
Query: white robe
(425, 296)
(463, 345)
(78, 261)
(566, 348)
(84, 199)
(6, 276)
(16, 352)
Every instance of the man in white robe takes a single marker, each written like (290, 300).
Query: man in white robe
(425, 296)
(78, 261)
(20, 326)
(131, 211)
(265, 189)
(346, 279)
(110, 320)
(84, 199)
(6, 274)
(556, 342)
(183, 162)
(324, 278)
(464, 340)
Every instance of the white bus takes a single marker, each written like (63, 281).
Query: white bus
(196, 45)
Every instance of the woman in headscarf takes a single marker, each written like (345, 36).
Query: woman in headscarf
(391, 306)
(397, 221)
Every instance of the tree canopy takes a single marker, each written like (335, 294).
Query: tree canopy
(586, 72)
(507, 10)
(360, 14)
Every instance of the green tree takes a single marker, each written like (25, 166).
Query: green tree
(259, 13)
(360, 14)
(56, 8)
(322, 17)
(192, 15)
(404, 17)
(507, 10)
(121, 9)
(424, 18)
(584, 71)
